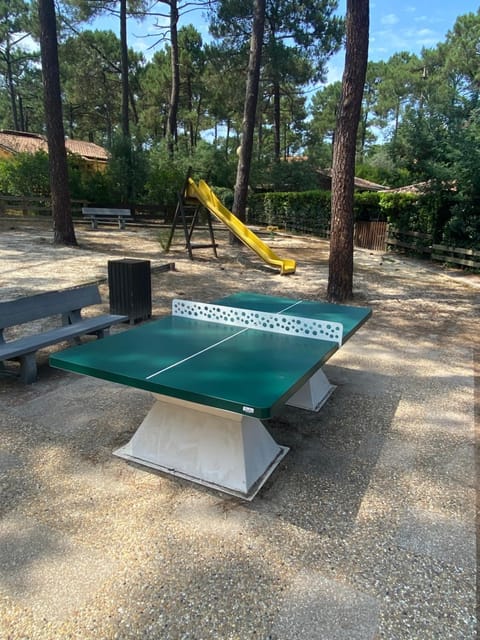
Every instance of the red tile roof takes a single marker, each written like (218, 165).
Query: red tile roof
(22, 142)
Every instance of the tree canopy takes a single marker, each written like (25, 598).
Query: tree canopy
(419, 119)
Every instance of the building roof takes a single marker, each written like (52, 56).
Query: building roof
(24, 142)
(360, 183)
(88, 150)
(419, 187)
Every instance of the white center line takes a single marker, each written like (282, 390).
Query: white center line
(212, 346)
(194, 355)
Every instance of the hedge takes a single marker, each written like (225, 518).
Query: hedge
(304, 212)
(309, 211)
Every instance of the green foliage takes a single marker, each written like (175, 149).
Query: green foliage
(463, 229)
(295, 175)
(29, 175)
(400, 209)
(323, 109)
(91, 90)
(309, 211)
(165, 177)
(210, 163)
(306, 211)
(366, 206)
(379, 167)
(25, 175)
(87, 184)
(127, 171)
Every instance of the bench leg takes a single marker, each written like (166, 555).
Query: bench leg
(28, 368)
(121, 223)
(94, 223)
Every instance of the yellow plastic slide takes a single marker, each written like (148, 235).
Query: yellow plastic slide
(208, 199)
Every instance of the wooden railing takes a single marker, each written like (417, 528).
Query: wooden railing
(374, 235)
(421, 244)
(413, 241)
(38, 206)
(33, 206)
(455, 255)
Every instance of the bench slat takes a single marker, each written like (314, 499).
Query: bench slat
(29, 344)
(43, 305)
(97, 213)
(103, 211)
(68, 304)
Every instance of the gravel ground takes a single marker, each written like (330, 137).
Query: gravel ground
(366, 530)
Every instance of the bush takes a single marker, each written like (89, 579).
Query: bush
(88, 184)
(310, 211)
(165, 178)
(306, 211)
(28, 175)
(25, 174)
(127, 172)
(463, 229)
(366, 206)
(402, 210)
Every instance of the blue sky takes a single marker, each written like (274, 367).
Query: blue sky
(406, 26)
(395, 26)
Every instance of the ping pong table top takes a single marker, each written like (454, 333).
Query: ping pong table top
(246, 371)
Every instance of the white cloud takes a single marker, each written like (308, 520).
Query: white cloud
(389, 19)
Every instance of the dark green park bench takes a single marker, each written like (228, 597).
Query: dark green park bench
(96, 214)
(68, 304)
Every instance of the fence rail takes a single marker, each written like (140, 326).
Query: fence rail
(455, 255)
(421, 244)
(411, 240)
(38, 206)
(374, 235)
(34, 205)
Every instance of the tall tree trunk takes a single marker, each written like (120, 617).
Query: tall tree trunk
(175, 90)
(340, 273)
(124, 67)
(11, 87)
(21, 115)
(227, 139)
(127, 143)
(250, 110)
(276, 120)
(63, 231)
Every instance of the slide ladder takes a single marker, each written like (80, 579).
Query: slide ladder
(187, 215)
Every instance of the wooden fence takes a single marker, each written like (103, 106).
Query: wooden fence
(455, 255)
(380, 236)
(33, 206)
(412, 241)
(37, 206)
(375, 235)
(421, 244)
(370, 235)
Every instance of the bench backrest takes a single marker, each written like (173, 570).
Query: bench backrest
(43, 305)
(101, 211)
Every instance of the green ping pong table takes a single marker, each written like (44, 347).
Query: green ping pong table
(216, 371)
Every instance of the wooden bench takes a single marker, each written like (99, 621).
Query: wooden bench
(68, 304)
(97, 214)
